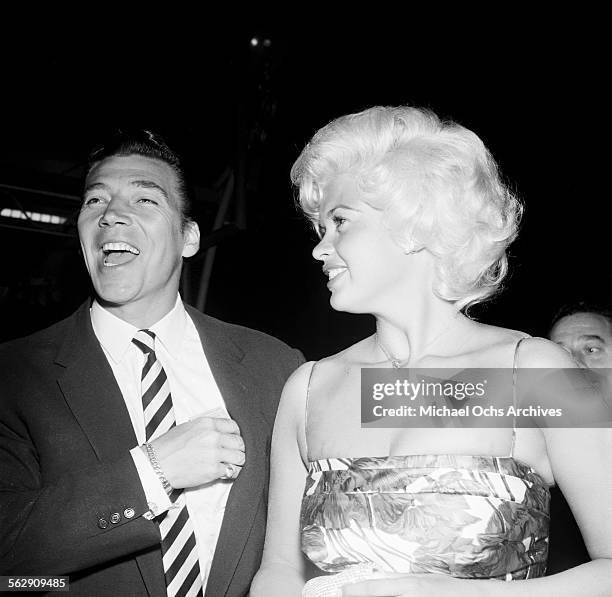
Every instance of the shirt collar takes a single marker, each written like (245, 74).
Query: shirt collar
(115, 335)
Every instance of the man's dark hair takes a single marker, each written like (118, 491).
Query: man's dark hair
(150, 145)
(579, 307)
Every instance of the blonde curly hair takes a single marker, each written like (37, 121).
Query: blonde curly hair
(438, 184)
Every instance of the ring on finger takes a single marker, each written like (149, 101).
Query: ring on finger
(231, 471)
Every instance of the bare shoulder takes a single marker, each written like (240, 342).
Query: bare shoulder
(542, 353)
(340, 362)
(355, 353)
(297, 384)
(494, 334)
(290, 418)
(530, 352)
(484, 345)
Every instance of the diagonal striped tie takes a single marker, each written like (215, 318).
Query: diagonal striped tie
(179, 549)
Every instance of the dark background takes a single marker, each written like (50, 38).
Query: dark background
(531, 92)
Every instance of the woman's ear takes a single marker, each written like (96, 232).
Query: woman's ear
(411, 246)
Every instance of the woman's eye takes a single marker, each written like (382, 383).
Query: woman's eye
(592, 349)
(91, 200)
(147, 200)
(338, 221)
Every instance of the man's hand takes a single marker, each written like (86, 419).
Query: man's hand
(198, 451)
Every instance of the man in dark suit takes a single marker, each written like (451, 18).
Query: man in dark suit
(134, 435)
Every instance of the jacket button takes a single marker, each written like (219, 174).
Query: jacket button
(129, 513)
(115, 517)
(103, 523)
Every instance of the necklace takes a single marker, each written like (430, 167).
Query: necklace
(395, 363)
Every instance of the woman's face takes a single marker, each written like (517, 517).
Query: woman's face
(365, 267)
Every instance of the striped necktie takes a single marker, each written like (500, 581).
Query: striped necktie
(179, 549)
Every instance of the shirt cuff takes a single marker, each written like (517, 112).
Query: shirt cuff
(157, 498)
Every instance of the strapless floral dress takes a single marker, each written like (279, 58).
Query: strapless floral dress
(466, 516)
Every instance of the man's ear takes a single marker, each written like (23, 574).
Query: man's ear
(191, 234)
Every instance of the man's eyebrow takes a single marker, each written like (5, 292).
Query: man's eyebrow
(591, 337)
(149, 184)
(95, 185)
(143, 184)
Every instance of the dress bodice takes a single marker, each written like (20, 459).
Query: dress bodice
(466, 516)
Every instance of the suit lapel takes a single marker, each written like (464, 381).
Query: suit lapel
(239, 389)
(91, 391)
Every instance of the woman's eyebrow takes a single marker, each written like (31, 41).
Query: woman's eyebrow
(341, 206)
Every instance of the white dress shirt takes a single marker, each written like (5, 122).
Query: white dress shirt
(194, 393)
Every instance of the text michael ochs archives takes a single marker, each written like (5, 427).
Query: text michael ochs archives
(483, 398)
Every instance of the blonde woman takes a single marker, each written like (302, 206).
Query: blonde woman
(414, 223)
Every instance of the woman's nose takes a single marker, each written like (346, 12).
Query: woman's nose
(322, 249)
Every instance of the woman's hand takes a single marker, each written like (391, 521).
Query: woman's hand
(417, 585)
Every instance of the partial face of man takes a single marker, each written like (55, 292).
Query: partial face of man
(587, 336)
(132, 239)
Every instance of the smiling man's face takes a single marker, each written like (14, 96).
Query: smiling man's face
(587, 336)
(132, 239)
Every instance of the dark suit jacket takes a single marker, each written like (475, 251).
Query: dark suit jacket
(65, 434)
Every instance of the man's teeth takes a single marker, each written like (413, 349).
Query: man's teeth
(107, 247)
(332, 273)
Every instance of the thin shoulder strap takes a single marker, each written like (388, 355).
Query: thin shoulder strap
(306, 410)
(514, 401)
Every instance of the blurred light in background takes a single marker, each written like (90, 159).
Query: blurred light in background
(17, 214)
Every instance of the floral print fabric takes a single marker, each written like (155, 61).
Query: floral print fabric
(466, 516)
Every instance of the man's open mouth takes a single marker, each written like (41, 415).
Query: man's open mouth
(118, 253)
